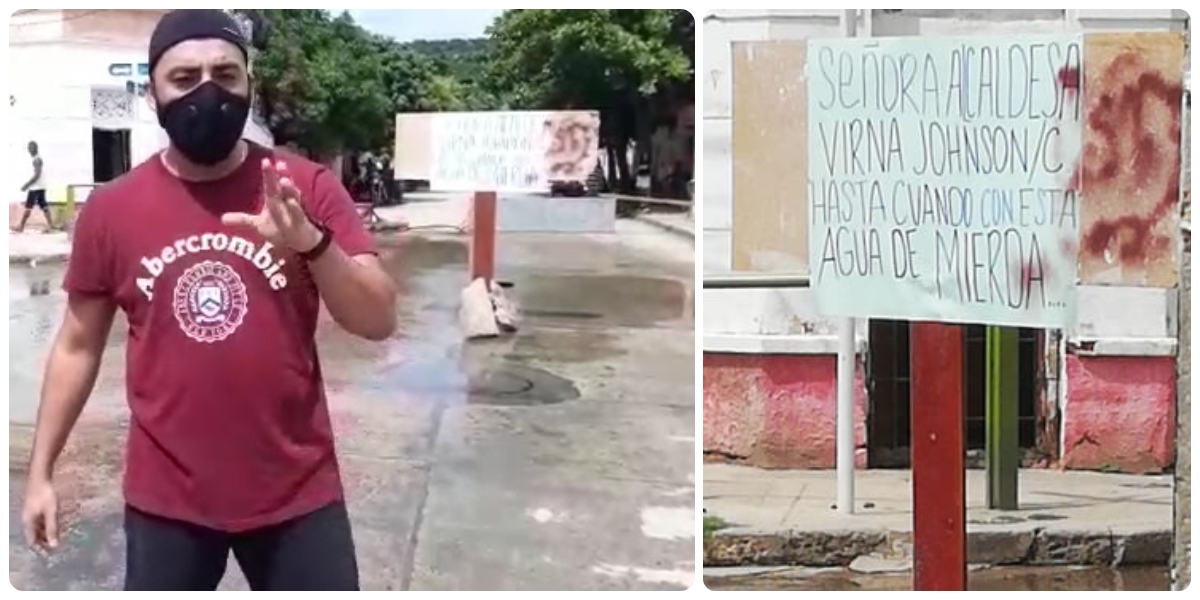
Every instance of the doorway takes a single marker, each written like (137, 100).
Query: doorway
(111, 154)
(889, 388)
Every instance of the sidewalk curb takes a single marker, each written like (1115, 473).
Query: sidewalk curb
(668, 227)
(1033, 546)
(52, 259)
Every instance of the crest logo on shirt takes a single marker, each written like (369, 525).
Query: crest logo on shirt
(210, 301)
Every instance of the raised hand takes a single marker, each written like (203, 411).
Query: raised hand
(282, 220)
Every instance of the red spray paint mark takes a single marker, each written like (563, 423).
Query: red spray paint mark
(1067, 246)
(1028, 271)
(1071, 81)
(1073, 184)
(1068, 78)
(1131, 157)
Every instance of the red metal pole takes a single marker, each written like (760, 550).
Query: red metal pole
(483, 236)
(938, 467)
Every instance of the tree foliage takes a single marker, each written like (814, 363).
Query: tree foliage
(615, 61)
(558, 57)
(329, 86)
(318, 81)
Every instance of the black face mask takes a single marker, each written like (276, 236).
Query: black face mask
(206, 124)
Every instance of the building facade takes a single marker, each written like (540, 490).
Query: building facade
(1099, 396)
(78, 88)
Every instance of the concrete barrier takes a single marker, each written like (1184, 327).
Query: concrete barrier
(529, 213)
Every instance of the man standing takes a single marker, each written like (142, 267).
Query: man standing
(220, 252)
(35, 192)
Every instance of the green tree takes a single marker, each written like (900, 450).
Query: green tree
(462, 67)
(614, 61)
(318, 80)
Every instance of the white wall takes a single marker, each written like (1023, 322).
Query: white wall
(52, 84)
(42, 25)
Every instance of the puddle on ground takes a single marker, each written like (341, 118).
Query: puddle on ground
(518, 385)
(408, 254)
(564, 345)
(561, 314)
(1053, 579)
(493, 382)
(612, 299)
(1008, 519)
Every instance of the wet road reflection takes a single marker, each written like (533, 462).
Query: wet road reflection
(426, 356)
(1052, 579)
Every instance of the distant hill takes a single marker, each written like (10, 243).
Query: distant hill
(450, 52)
(463, 59)
(453, 47)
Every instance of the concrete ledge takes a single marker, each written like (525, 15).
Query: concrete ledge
(24, 259)
(1122, 346)
(667, 225)
(737, 548)
(809, 548)
(545, 214)
(777, 344)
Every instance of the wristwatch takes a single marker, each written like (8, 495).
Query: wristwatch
(322, 245)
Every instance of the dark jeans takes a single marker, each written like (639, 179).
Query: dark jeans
(312, 552)
(36, 198)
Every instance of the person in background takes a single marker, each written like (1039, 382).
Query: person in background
(220, 252)
(35, 191)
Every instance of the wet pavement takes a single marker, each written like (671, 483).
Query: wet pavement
(1050, 579)
(559, 458)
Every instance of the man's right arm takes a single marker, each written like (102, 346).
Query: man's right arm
(71, 371)
(37, 172)
(74, 359)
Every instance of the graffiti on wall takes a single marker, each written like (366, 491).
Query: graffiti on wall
(570, 142)
(1130, 173)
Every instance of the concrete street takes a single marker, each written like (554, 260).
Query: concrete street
(560, 458)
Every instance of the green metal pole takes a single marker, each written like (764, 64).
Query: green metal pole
(1003, 445)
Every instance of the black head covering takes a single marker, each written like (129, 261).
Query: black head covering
(183, 25)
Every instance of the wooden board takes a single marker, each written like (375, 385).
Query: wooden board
(413, 158)
(770, 166)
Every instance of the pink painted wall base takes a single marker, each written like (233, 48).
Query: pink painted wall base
(780, 411)
(777, 411)
(1120, 414)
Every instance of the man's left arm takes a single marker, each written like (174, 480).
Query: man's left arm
(358, 292)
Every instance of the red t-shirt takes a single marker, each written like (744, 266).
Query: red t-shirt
(230, 427)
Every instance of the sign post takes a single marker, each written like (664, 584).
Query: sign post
(939, 488)
(941, 191)
(483, 236)
(1001, 421)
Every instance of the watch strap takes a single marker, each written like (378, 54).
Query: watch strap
(322, 245)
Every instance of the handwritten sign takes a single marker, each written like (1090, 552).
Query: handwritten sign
(512, 151)
(941, 178)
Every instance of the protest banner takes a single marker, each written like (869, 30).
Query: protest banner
(940, 178)
(516, 151)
